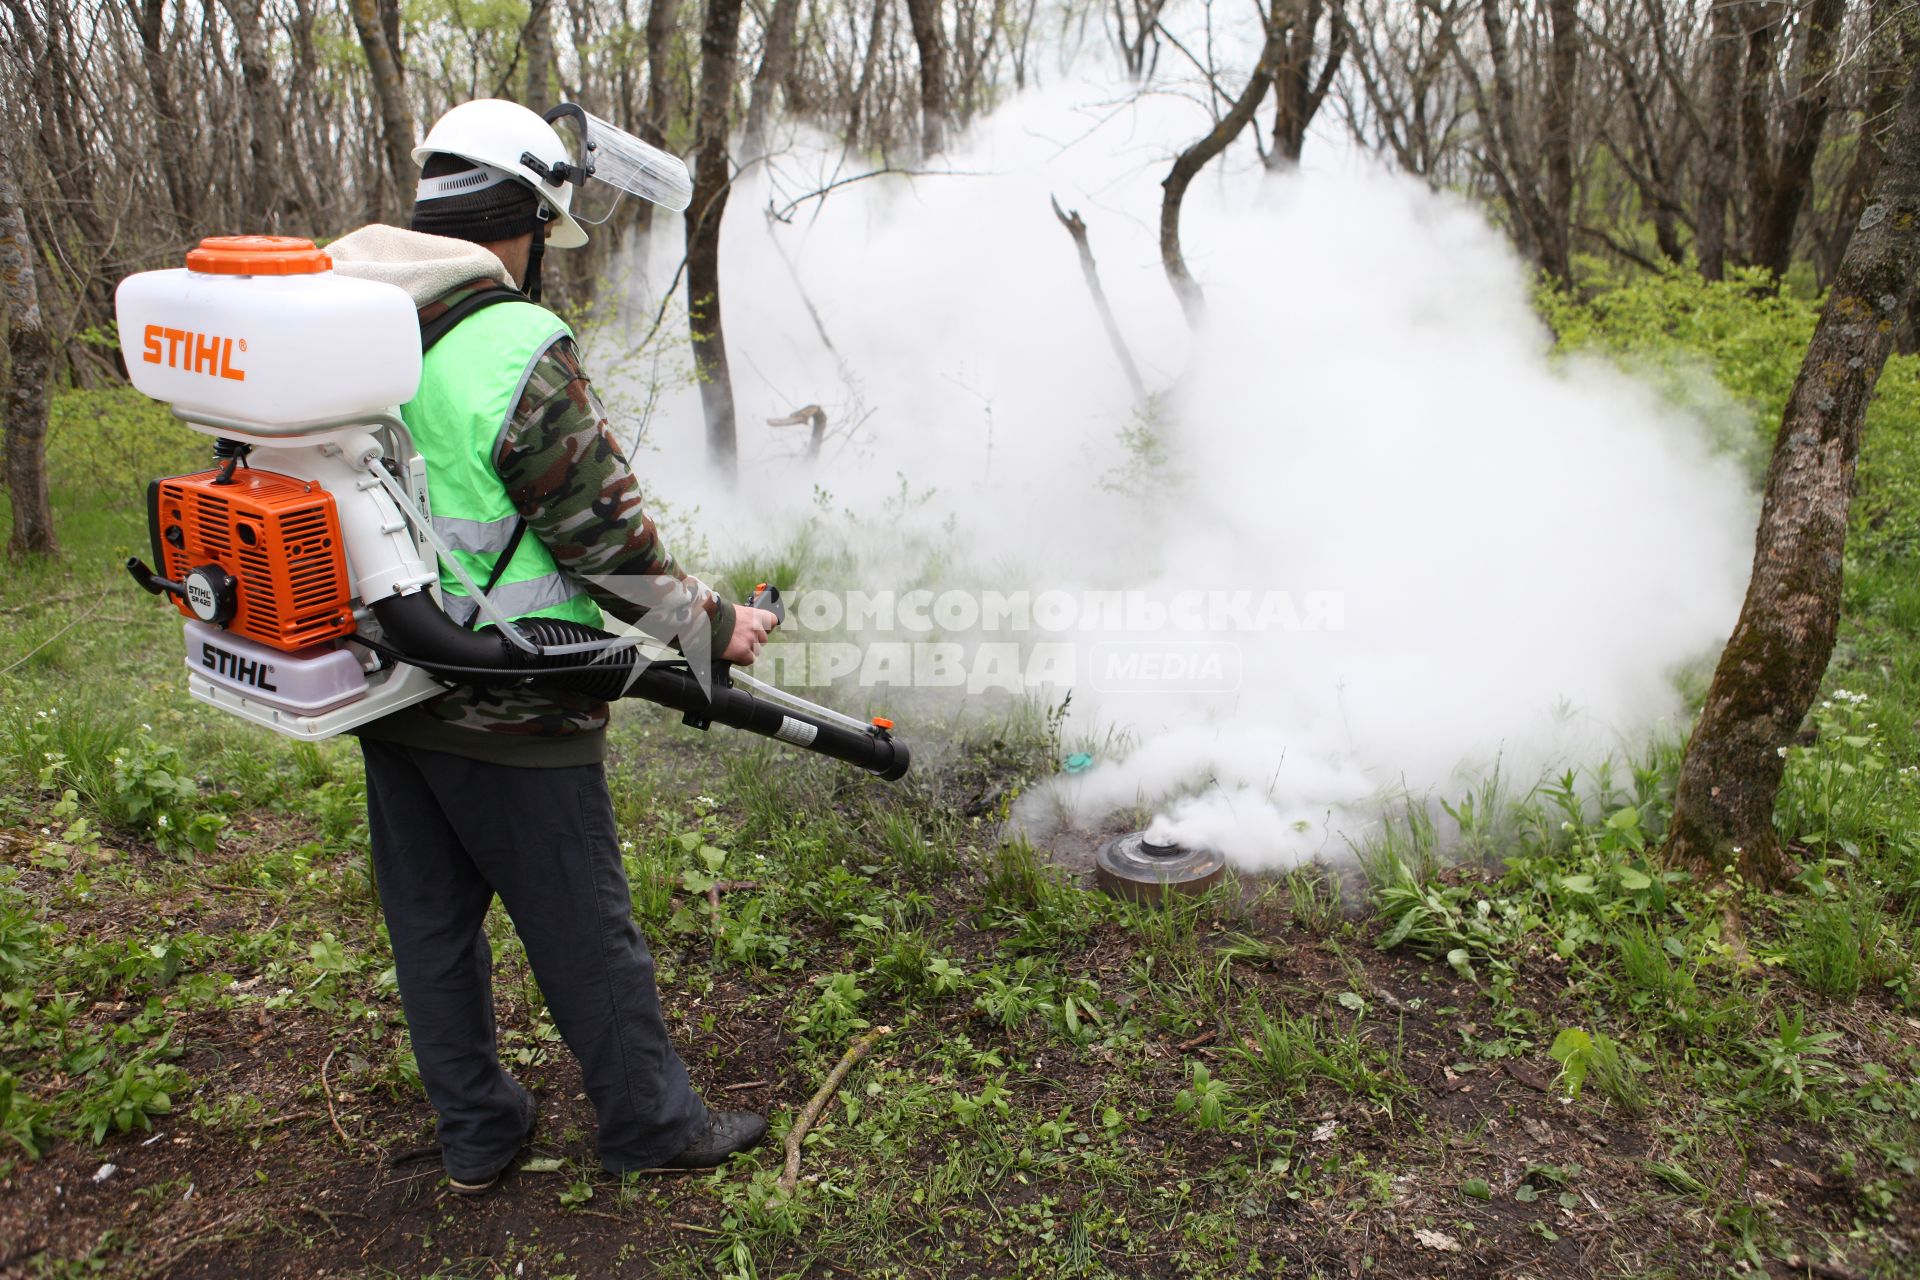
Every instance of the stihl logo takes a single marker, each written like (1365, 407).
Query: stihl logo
(195, 352)
(236, 668)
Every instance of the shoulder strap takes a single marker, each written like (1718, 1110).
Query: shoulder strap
(500, 565)
(431, 331)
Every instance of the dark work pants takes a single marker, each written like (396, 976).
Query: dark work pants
(448, 834)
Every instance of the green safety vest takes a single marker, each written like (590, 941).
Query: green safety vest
(470, 384)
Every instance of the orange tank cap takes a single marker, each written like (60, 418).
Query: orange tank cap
(258, 256)
(881, 722)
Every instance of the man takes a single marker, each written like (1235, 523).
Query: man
(503, 791)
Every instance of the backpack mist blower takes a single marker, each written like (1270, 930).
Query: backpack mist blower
(305, 561)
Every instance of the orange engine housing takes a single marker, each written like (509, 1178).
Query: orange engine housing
(278, 536)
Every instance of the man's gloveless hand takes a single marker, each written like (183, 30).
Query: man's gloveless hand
(750, 628)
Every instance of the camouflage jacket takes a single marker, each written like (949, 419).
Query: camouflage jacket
(566, 474)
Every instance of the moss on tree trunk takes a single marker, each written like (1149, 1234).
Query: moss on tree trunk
(712, 179)
(29, 381)
(1771, 669)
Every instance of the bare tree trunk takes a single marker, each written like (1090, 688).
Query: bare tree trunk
(540, 62)
(29, 379)
(662, 15)
(856, 113)
(1521, 183)
(1556, 138)
(1297, 90)
(1790, 176)
(1888, 59)
(583, 19)
(719, 50)
(1771, 669)
(1649, 174)
(932, 42)
(396, 118)
(176, 160)
(1760, 26)
(264, 129)
(1188, 164)
(626, 108)
(795, 91)
(1077, 228)
(301, 107)
(776, 58)
(1723, 144)
(64, 146)
(1134, 45)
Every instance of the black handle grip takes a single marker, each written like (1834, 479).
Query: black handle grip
(151, 582)
(768, 597)
(426, 637)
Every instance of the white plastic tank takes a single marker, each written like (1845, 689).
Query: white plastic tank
(261, 330)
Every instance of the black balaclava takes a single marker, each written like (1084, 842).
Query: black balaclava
(483, 205)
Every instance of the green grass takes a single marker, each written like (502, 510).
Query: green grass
(1288, 1077)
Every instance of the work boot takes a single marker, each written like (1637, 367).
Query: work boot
(724, 1133)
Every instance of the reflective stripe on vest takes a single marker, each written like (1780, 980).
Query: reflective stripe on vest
(485, 537)
(525, 599)
(470, 385)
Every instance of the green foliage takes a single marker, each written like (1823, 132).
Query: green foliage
(1793, 1062)
(651, 880)
(835, 1012)
(75, 745)
(22, 1121)
(1589, 878)
(153, 792)
(1204, 1100)
(1045, 911)
(1841, 940)
(1842, 790)
(836, 896)
(135, 1094)
(128, 776)
(1315, 897)
(98, 438)
(1016, 880)
(921, 855)
(1659, 980)
(1729, 351)
(747, 935)
(1281, 1054)
(1533, 911)
(341, 807)
(1594, 1057)
(1674, 326)
(22, 935)
(1456, 923)
(990, 1102)
(1147, 462)
(1012, 995)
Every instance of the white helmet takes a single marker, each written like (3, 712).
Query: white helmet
(515, 142)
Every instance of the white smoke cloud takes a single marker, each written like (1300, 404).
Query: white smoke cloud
(1525, 549)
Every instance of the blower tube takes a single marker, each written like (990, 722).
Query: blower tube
(415, 626)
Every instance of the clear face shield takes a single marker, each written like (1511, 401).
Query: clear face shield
(620, 165)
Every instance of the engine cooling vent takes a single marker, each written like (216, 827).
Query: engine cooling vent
(280, 539)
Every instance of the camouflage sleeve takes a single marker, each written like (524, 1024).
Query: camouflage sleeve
(566, 474)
